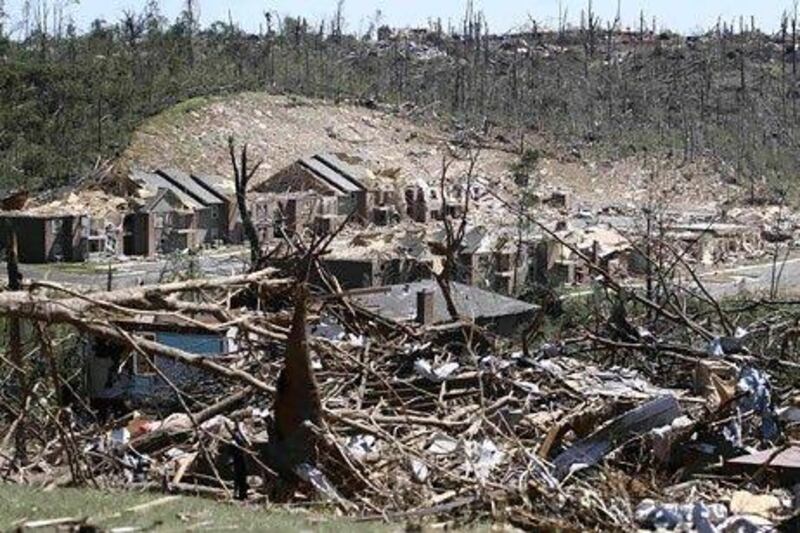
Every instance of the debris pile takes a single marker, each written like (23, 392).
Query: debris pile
(627, 422)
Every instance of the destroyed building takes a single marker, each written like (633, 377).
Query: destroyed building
(380, 257)
(331, 175)
(46, 237)
(713, 243)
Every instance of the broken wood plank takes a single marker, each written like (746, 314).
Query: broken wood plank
(52, 523)
(784, 463)
(155, 503)
(591, 450)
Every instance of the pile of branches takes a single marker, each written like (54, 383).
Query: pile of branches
(388, 421)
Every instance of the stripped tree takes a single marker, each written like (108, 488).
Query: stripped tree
(241, 178)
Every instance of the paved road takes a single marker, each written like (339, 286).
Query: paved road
(737, 280)
(753, 279)
(94, 274)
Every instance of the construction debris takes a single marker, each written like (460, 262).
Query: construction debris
(387, 372)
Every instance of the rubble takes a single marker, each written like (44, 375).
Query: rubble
(417, 422)
(382, 366)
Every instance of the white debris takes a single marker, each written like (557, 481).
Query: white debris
(361, 447)
(420, 470)
(443, 445)
(424, 369)
(482, 458)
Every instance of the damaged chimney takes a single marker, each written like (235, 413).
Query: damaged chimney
(425, 307)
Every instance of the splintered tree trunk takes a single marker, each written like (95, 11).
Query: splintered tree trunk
(15, 352)
(242, 174)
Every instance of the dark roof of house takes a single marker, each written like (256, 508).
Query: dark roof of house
(157, 181)
(162, 194)
(399, 302)
(335, 172)
(220, 187)
(190, 186)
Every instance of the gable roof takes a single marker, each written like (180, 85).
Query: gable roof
(222, 188)
(190, 186)
(333, 171)
(154, 182)
(163, 195)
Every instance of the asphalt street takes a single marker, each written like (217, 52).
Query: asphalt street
(725, 282)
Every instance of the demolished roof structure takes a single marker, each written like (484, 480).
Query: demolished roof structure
(597, 426)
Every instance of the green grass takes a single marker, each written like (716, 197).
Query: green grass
(171, 115)
(106, 510)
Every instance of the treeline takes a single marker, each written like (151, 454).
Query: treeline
(70, 99)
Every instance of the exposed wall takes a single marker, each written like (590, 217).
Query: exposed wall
(353, 273)
(44, 240)
(137, 382)
(139, 234)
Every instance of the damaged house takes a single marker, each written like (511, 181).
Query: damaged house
(377, 258)
(117, 374)
(604, 245)
(492, 260)
(713, 243)
(46, 237)
(294, 212)
(180, 211)
(332, 175)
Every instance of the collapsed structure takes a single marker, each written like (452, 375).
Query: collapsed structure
(46, 237)
(117, 375)
(402, 335)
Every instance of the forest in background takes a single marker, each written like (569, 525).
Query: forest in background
(70, 99)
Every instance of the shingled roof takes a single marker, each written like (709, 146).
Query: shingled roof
(332, 172)
(399, 302)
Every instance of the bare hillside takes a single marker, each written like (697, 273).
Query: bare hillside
(281, 129)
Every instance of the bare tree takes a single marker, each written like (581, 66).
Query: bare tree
(455, 228)
(241, 177)
(337, 24)
(191, 18)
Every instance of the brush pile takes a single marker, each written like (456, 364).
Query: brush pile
(642, 414)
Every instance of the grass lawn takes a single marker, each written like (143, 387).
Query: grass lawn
(108, 510)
